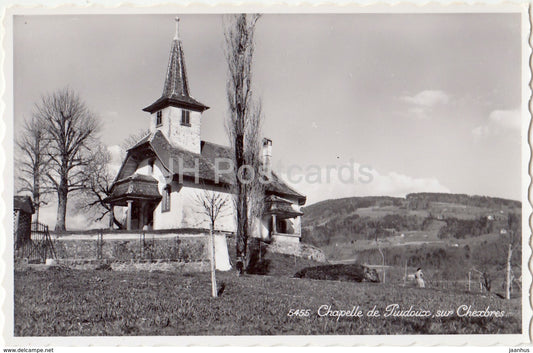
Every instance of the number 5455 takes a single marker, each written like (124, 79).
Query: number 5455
(299, 312)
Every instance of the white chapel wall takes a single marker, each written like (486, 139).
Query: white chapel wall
(185, 210)
(187, 137)
(193, 211)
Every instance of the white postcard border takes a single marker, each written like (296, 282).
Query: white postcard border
(137, 7)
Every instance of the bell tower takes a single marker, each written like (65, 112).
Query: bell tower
(176, 114)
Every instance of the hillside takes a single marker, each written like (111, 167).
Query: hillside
(432, 230)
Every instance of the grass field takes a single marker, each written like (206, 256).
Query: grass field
(65, 302)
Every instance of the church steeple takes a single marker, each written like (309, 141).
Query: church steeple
(176, 87)
(176, 114)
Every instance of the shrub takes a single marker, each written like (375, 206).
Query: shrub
(349, 273)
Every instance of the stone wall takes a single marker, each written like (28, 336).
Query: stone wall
(131, 246)
(182, 248)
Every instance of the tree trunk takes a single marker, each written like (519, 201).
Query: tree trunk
(383, 265)
(213, 264)
(111, 216)
(242, 229)
(36, 206)
(36, 220)
(242, 206)
(62, 195)
(508, 281)
(117, 223)
(36, 196)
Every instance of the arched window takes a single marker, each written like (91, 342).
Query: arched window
(165, 207)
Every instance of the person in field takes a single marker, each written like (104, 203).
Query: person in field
(419, 278)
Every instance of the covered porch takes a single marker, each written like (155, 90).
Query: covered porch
(282, 218)
(140, 196)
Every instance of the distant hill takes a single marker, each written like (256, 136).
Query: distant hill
(438, 216)
(421, 200)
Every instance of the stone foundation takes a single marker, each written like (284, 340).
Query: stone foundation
(297, 249)
(286, 238)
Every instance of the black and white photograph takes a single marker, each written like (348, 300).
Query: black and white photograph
(178, 173)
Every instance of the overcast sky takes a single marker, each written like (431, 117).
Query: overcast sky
(428, 102)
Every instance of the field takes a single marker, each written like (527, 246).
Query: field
(65, 302)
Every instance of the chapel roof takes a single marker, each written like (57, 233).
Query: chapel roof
(280, 207)
(169, 155)
(135, 186)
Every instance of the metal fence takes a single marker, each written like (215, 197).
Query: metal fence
(39, 247)
(136, 246)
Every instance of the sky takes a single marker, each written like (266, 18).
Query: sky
(409, 102)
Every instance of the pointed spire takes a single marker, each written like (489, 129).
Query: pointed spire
(176, 87)
(176, 83)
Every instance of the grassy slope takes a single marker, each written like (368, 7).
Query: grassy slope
(83, 303)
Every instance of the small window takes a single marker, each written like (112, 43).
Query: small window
(186, 117)
(165, 207)
(159, 118)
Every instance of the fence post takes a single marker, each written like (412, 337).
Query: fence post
(142, 244)
(99, 245)
(405, 274)
(152, 248)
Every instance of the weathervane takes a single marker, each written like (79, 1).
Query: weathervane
(177, 36)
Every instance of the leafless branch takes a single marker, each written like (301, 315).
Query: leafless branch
(32, 161)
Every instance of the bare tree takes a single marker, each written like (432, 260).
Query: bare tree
(133, 139)
(243, 126)
(71, 128)
(213, 205)
(99, 181)
(515, 235)
(32, 160)
(98, 184)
